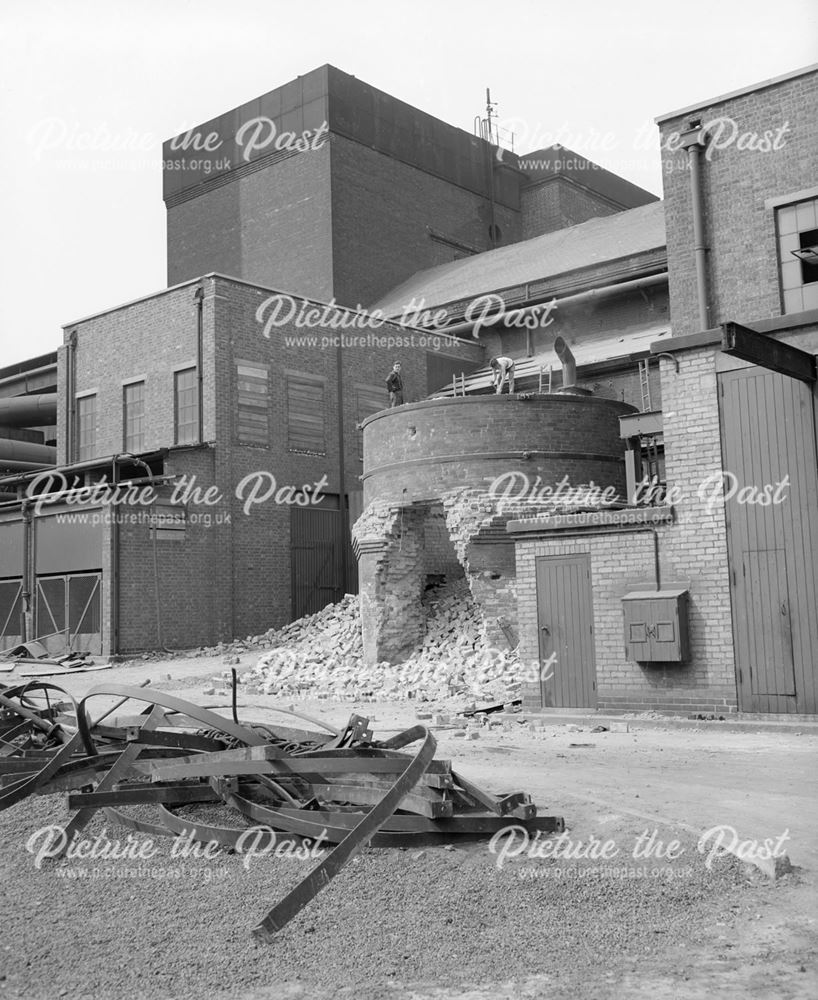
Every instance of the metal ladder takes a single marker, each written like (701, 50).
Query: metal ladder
(644, 384)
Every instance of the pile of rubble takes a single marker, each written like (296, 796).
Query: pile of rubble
(321, 656)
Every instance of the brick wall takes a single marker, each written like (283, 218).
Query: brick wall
(272, 227)
(693, 554)
(146, 338)
(189, 572)
(382, 211)
(240, 562)
(420, 452)
(557, 203)
(740, 230)
(392, 565)
(343, 220)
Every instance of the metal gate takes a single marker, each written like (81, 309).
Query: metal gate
(317, 577)
(68, 612)
(11, 613)
(768, 434)
(566, 631)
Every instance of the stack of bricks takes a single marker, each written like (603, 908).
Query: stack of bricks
(321, 657)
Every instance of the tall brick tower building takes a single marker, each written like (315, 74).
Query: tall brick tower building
(382, 192)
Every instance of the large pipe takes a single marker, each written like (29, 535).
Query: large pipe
(569, 364)
(537, 303)
(94, 463)
(25, 451)
(29, 411)
(691, 141)
(25, 375)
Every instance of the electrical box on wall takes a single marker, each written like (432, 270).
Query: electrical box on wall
(656, 629)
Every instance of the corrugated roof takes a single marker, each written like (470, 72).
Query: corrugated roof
(597, 241)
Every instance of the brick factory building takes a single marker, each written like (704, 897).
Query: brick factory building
(679, 603)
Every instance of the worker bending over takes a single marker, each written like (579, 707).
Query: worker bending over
(502, 368)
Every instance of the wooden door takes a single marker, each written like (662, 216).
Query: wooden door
(768, 436)
(565, 624)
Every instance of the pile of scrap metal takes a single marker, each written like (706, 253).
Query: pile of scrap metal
(34, 652)
(340, 787)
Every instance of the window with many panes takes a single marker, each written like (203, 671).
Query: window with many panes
(797, 230)
(305, 414)
(253, 398)
(185, 406)
(133, 417)
(86, 427)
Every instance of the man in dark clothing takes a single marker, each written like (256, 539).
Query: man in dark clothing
(394, 384)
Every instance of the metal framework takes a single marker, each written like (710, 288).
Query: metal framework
(340, 787)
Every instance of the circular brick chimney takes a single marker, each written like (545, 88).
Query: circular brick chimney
(420, 450)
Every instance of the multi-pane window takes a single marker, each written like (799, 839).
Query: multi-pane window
(133, 417)
(370, 400)
(186, 406)
(253, 396)
(797, 227)
(86, 427)
(305, 414)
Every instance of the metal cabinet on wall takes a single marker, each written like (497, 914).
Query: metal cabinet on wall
(656, 629)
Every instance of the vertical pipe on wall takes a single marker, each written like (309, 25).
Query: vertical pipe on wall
(691, 141)
(342, 507)
(70, 397)
(28, 576)
(198, 296)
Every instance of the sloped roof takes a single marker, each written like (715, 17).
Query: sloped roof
(597, 241)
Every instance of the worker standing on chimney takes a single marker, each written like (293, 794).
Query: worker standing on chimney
(394, 384)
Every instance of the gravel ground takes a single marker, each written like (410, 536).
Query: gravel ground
(448, 925)
(396, 923)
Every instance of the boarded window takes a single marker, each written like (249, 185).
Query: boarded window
(133, 417)
(305, 414)
(86, 427)
(186, 406)
(370, 399)
(254, 409)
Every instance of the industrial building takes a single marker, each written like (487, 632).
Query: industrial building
(673, 341)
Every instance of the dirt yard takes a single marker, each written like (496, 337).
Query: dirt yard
(648, 919)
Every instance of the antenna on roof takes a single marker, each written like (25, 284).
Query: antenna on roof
(488, 129)
(490, 113)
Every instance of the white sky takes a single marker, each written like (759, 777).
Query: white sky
(84, 230)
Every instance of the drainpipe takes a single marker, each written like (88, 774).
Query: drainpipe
(28, 562)
(198, 296)
(691, 141)
(70, 391)
(342, 508)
